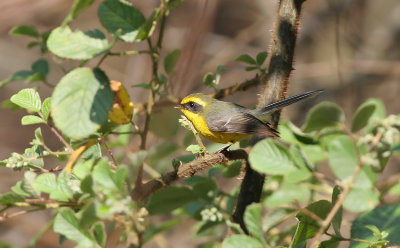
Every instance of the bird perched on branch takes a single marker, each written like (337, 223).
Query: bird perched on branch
(226, 122)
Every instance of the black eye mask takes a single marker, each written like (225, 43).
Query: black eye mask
(193, 107)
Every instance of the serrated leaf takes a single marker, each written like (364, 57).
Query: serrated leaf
(46, 108)
(121, 19)
(31, 119)
(260, 58)
(9, 198)
(245, 58)
(57, 187)
(271, 158)
(384, 218)
(27, 30)
(241, 241)
(76, 8)
(76, 44)
(362, 116)
(168, 199)
(325, 114)
(171, 60)
(81, 102)
(28, 99)
(252, 219)
(67, 224)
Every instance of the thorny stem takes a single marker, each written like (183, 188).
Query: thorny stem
(342, 196)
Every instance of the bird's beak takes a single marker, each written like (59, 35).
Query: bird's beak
(179, 106)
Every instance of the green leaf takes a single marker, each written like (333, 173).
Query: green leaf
(378, 114)
(172, 4)
(343, 161)
(251, 68)
(337, 220)
(260, 58)
(252, 219)
(81, 102)
(46, 108)
(323, 115)
(168, 199)
(241, 241)
(307, 226)
(233, 169)
(100, 234)
(27, 184)
(77, 7)
(271, 158)
(150, 25)
(28, 99)
(385, 218)
(9, 198)
(76, 44)
(17, 188)
(245, 58)
(195, 149)
(31, 119)
(208, 79)
(66, 224)
(104, 177)
(121, 19)
(287, 193)
(171, 60)
(142, 85)
(41, 66)
(19, 75)
(362, 116)
(360, 199)
(27, 30)
(57, 188)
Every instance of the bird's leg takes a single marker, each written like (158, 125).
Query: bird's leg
(224, 148)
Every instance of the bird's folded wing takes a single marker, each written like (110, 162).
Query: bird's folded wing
(241, 123)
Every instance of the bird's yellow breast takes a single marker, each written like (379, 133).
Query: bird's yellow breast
(200, 123)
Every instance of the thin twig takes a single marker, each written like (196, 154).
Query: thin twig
(342, 196)
(109, 151)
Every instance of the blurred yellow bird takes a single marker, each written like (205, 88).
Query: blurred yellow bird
(226, 122)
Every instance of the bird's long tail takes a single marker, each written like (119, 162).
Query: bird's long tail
(287, 101)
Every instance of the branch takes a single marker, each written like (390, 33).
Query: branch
(276, 81)
(141, 191)
(339, 202)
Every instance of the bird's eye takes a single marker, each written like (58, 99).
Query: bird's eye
(191, 104)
